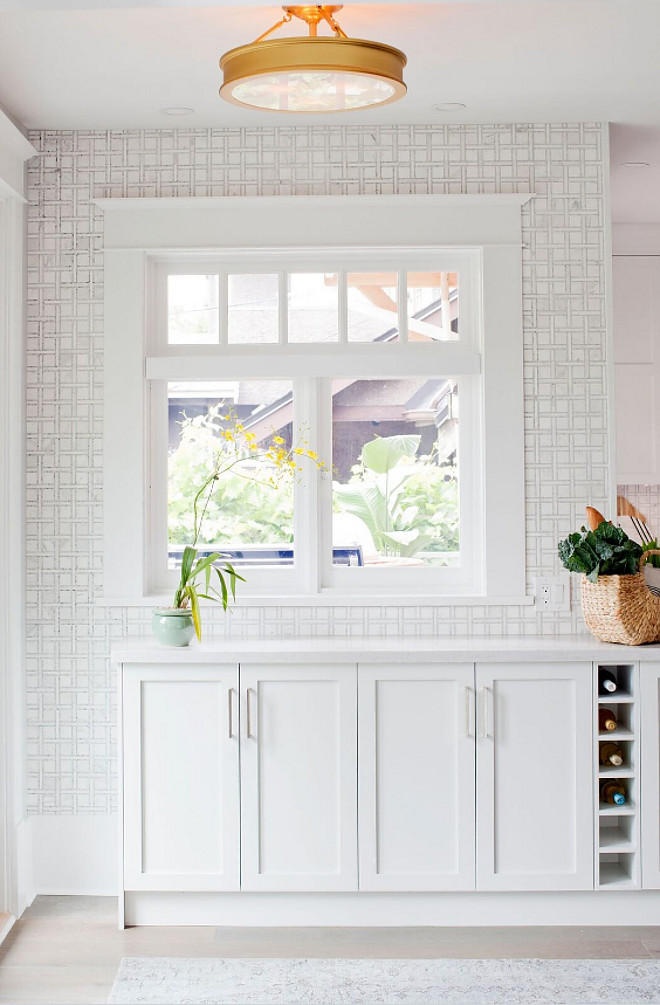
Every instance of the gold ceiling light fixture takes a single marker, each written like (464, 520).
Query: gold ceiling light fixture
(312, 73)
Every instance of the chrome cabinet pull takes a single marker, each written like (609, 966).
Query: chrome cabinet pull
(491, 696)
(230, 711)
(489, 713)
(468, 709)
(484, 713)
(248, 710)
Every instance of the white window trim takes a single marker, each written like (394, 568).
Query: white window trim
(139, 232)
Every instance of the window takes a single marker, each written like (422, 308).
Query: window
(359, 350)
(247, 515)
(395, 488)
(361, 353)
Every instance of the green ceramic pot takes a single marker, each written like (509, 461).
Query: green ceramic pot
(172, 626)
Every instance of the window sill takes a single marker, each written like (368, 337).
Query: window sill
(336, 599)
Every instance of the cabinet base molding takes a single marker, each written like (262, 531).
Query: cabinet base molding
(278, 910)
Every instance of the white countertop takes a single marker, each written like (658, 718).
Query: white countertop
(383, 650)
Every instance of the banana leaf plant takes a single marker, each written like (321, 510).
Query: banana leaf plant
(377, 498)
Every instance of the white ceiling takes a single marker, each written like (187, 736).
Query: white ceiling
(521, 60)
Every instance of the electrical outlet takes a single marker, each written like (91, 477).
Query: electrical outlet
(553, 593)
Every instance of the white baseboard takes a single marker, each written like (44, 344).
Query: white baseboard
(24, 889)
(393, 909)
(7, 927)
(74, 854)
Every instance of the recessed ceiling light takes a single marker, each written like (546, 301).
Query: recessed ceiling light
(177, 111)
(449, 106)
(635, 164)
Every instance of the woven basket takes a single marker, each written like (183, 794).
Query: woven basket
(622, 608)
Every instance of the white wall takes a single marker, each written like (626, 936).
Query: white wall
(71, 731)
(15, 883)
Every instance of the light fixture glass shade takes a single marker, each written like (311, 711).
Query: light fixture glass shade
(313, 75)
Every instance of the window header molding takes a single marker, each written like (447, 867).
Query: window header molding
(189, 224)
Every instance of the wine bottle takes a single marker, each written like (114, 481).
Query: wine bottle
(611, 753)
(613, 792)
(606, 720)
(607, 682)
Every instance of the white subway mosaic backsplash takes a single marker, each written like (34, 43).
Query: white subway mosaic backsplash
(645, 498)
(70, 686)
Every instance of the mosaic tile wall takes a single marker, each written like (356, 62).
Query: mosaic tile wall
(646, 498)
(70, 685)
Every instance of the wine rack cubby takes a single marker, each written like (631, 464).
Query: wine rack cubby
(617, 830)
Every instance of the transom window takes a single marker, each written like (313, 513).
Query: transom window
(308, 308)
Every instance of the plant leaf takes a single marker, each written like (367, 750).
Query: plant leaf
(605, 551)
(384, 452)
(194, 603)
(187, 560)
(223, 588)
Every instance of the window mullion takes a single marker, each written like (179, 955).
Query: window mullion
(283, 308)
(342, 304)
(306, 494)
(324, 502)
(402, 298)
(223, 308)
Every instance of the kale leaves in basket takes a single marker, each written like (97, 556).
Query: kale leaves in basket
(605, 551)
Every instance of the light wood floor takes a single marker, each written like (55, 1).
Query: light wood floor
(66, 950)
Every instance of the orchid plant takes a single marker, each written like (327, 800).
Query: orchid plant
(237, 450)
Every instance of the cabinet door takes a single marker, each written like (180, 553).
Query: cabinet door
(636, 288)
(534, 777)
(416, 777)
(637, 402)
(298, 777)
(650, 774)
(181, 779)
(636, 297)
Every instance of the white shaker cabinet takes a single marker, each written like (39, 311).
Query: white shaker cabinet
(534, 777)
(298, 777)
(636, 283)
(650, 775)
(416, 776)
(180, 777)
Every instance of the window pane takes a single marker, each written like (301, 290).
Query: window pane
(432, 305)
(313, 311)
(192, 310)
(372, 307)
(395, 471)
(253, 308)
(246, 515)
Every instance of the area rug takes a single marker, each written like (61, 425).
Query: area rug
(361, 982)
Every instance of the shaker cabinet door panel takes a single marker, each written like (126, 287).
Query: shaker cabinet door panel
(636, 293)
(298, 777)
(181, 780)
(637, 402)
(534, 777)
(650, 774)
(416, 777)
(636, 296)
